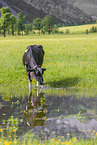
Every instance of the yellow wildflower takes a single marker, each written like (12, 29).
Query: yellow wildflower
(93, 130)
(53, 139)
(68, 134)
(59, 140)
(1, 130)
(14, 130)
(56, 142)
(15, 142)
(67, 143)
(6, 143)
(75, 139)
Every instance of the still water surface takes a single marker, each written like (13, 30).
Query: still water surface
(50, 114)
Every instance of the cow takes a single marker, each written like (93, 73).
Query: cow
(33, 60)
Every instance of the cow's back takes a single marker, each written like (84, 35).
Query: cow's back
(38, 53)
(33, 55)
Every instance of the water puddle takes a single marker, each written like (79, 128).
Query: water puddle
(49, 114)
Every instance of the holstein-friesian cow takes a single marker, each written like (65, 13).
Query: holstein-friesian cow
(32, 60)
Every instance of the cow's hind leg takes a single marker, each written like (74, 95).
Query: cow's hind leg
(30, 87)
(37, 84)
(30, 83)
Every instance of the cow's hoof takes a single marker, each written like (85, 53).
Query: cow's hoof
(41, 86)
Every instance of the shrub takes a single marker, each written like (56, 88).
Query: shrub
(93, 29)
(87, 31)
(67, 31)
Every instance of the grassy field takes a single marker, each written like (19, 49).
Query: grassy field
(77, 29)
(70, 60)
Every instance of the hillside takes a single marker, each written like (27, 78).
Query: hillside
(30, 12)
(61, 11)
(3, 4)
(88, 6)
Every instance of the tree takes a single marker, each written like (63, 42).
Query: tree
(55, 29)
(49, 22)
(21, 21)
(13, 22)
(43, 26)
(37, 24)
(5, 19)
(28, 28)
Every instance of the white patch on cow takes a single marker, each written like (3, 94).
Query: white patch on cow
(30, 87)
(37, 84)
(26, 50)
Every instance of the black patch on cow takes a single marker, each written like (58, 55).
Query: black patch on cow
(33, 60)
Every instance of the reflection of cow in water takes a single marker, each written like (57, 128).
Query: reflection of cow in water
(34, 112)
(32, 60)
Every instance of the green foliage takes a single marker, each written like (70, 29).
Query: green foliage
(43, 29)
(49, 22)
(93, 29)
(26, 29)
(37, 24)
(87, 31)
(67, 31)
(10, 128)
(5, 19)
(55, 29)
(8, 21)
(80, 116)
(45, 25)
(12, 124)
(30, 27)
(21, 20)
(13, 22)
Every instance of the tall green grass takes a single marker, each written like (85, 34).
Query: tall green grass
(70, 60)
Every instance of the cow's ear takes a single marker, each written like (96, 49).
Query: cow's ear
(43, 69)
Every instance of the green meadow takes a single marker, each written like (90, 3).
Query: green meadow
(77, 29)
(71, 63)
(70, 60)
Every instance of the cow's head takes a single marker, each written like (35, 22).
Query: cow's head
(38, 74)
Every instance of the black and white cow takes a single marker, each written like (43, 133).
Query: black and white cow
(32, 60)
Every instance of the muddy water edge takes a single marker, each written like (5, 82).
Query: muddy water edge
(49, 113)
